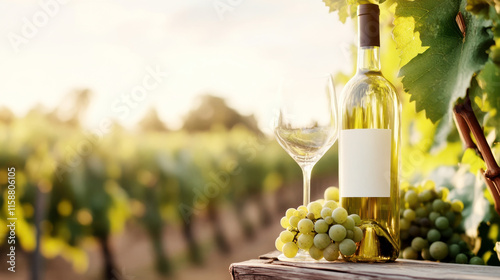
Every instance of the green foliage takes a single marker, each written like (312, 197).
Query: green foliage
(347, 8)
(440, 75)
(213, 111)
(94, 186)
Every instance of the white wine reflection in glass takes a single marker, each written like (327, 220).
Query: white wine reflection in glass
(306, 125)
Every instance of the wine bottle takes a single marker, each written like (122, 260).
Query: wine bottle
(369, 147)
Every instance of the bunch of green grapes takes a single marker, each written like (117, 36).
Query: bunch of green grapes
(322, 228)
(430, 225)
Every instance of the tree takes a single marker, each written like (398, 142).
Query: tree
(213, 110)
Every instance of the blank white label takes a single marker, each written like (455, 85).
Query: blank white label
(365, 163)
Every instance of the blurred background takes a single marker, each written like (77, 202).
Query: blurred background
(140, 132)
(141, 138)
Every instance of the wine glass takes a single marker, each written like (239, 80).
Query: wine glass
(306, 125)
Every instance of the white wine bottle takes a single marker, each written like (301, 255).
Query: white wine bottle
(369, 147)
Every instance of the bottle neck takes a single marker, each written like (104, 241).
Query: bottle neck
(369, 59)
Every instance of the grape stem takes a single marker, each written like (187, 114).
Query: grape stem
(466, 122)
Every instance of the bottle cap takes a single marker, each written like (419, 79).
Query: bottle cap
(368, 16)
(364, 9)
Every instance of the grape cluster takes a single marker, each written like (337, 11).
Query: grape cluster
(322, 228)
(430, 225)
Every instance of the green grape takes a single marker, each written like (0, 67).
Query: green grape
(421, 212)
(356, 218)
(418, 243)
(410, 253)
(442, 223)
(439, 250)
(294, 221)
(411, 197)
(461, 258)
(325, 212)
(322, 240)
(305, 226)
(315, 208)
(409, 214)
(443, 192)
(305, 241)
(438, 205)
(463, 245)
(426, 254)
(457, 206)
(301, 213)
(424, 231)
(332, 193)
(289, 212)
(476, 260)
(331, 253)
(290, 249)
(310, 216)
(279, 244)
(330, 204)
(337, 233)
(350, 234)
(286, 236)
(339, 215)
(303, 208)
(426, 195)
(447, 206)
(315, 253)
(358, 234)
(284, 222)
(454, 239)
(404, 224)
(349, 223)
(329, 220)
(433, 216)
(347, 247)
(454, 250)
(450, 215)
(429, 185)
(428, 207)
(433, 235)
(321, 226)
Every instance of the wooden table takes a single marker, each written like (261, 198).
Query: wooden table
(269, 267)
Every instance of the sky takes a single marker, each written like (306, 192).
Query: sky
(134, 55)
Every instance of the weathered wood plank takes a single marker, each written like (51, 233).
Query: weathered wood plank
(269, 267)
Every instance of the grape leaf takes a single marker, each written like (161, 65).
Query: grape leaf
(489, 81)
(347, 8)
(409, 46)
(344, 8)
(439, 76)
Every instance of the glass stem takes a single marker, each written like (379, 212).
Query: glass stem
(306, 173)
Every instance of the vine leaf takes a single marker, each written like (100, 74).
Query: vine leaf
(344, 8)
(440, 75)
(347, 8)
(409, 46)
(487, 95)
